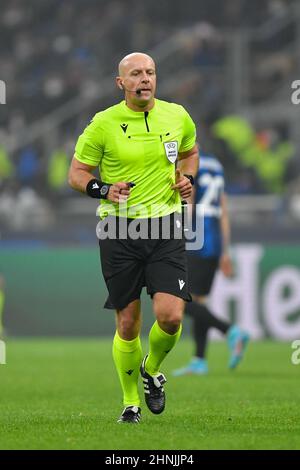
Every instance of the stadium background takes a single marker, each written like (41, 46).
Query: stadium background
(231, 63)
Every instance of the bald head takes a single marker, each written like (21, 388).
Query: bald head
(137, 78)
(134, 60)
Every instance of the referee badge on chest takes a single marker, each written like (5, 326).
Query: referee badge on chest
(171, 149)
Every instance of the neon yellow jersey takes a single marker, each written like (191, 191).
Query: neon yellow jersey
(138, 147)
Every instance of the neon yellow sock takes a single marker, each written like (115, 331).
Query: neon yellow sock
(127, 357)
(160, 343)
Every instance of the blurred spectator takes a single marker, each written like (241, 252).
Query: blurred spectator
(54, 53)
(28, 166)
(263, 152)
(6, 166)
(58, 168)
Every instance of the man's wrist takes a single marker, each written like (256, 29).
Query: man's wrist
(191, 178)
(97, 189)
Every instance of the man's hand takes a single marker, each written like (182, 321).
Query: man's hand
(226, 265)
(183, 185)
(119, 192)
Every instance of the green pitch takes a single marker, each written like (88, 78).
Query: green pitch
(64, 394)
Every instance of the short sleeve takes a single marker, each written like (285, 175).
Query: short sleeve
(189, 133)
(90, 146)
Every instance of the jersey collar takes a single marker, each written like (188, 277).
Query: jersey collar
(136, 113)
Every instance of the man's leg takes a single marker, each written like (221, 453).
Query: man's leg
(166, 330)
(162, 338)
(123, 271)
(203, 320)
(127, 351)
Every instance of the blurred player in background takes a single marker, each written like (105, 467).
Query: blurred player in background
(203, 264)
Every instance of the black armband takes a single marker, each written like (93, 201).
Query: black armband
(97, 189)
(191, 178)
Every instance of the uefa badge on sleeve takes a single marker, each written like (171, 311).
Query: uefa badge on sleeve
(171, 149)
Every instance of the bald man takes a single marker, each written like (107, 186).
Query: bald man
(146, 152)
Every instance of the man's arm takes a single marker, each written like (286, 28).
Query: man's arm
(188, 165)
(189, 161)
(225, 260)
(81, 174)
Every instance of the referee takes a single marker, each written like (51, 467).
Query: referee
(147, 156)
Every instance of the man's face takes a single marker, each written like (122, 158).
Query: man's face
(138, 73)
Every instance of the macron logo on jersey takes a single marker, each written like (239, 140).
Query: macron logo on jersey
(124, 127)
(181, 284)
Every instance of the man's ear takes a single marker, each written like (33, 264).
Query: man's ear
(119, 83)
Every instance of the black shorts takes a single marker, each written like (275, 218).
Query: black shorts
(128, 265)
(201, 274)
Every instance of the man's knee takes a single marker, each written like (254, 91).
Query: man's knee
(169, 311)
(129, 321)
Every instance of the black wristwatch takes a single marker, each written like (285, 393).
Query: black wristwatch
(97, 189)
(104, 191)
(191, 178)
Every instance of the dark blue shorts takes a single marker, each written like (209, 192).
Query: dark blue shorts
(201, 271)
